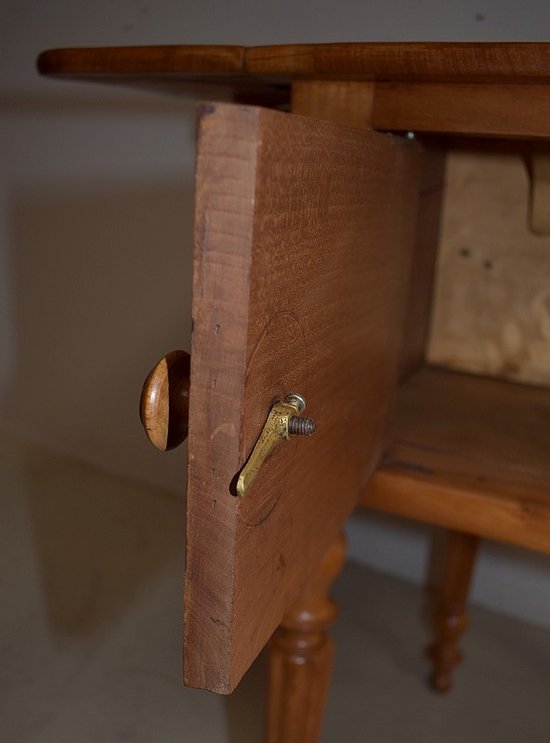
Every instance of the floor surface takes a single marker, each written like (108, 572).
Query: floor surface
(90, 634)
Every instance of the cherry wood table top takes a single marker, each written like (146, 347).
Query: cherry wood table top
(472, 89)
(419, 62)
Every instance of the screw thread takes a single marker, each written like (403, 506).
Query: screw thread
(300, 426)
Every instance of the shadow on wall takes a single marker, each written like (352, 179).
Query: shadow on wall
(104, 551)
(101, 288)
(98, 544)
(245, 708)
(101, 100)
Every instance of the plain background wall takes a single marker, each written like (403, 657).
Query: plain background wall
(96, 190)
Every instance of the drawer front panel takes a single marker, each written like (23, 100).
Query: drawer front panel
(304, 234)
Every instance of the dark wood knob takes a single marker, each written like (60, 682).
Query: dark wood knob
(164, 405)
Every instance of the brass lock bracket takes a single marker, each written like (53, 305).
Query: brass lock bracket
(282, 422)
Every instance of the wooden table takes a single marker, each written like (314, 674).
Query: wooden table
(315, 240)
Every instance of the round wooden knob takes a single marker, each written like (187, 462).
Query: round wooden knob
(164, 405)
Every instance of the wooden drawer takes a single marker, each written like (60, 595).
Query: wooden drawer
(303, 241)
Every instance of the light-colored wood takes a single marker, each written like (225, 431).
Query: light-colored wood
(164, 404)
(301, 656)
(463, 108)
(293, 215)
(348, 103)
(449, 619)
(491, 312)
(539, 216)
(469, 454)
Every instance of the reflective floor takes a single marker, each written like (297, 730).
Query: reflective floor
(90, 633)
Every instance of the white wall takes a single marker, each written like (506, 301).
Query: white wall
(96, 224)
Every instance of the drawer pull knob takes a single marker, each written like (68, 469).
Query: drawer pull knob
(282, 422)
(164, 404)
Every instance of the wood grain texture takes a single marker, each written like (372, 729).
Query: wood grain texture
(449, 618)
(197, 71)
(462, 108)
(303, 241)
(442, 61)
(301, 656)
(164, 404)
(349, 103)
(469, 454)
(138, 60)
(436, 61)
(468, 88)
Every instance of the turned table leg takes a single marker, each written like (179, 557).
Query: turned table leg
(301, 657)
(449, 618)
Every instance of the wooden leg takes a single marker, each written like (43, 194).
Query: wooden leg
(449, 618)
(301, 658)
